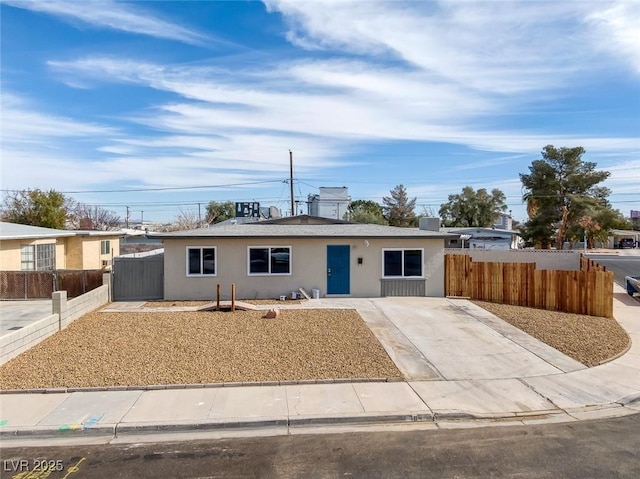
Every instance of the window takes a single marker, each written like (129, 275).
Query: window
(270, 260)
(40, 257)
(105, 247)
(201, 261)
(402, 262)
(27, 257)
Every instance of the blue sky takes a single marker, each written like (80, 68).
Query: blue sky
(163, 105)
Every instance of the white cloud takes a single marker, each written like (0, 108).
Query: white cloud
(493, 47)
(113, 15)
(617, 30)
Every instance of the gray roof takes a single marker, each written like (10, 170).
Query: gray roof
(262, 230)
(10, 231)
(477, 229)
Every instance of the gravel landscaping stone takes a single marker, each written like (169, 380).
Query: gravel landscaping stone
(135, 349)
(590, 340)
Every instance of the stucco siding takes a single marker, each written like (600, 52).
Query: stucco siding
(74, 253)
(308, 267)
(10, 259)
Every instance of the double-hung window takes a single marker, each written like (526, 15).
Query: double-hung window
(38, 257)
(201, 261)
(402, 263)
(105, 247)
(269, 260)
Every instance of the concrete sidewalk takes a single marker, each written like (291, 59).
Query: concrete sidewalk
(542, 385)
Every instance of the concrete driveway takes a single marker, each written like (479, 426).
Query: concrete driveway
(18, 314)
(452, 339)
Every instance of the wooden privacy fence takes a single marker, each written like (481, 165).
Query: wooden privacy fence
(589, 291)
(41, 284)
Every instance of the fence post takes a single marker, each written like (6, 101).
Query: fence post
(106, 279)
(59, 306)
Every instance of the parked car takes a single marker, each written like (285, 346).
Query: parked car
(627, 243)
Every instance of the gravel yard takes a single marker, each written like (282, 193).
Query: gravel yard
(178, 347)
(588, 339)
(131, 349)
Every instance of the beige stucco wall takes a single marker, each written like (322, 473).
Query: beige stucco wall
(83, 252)
(309, 266)
(10, 252)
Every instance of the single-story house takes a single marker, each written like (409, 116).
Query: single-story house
(483, 238)
(32, 248)
(617, 238)
(272, 258)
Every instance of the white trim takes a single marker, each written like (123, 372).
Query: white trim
(201, 275)
(269, 247)
(402, 276)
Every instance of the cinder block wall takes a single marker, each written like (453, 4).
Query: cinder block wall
(544, 259)
(15, 343)
(65, 312)
(83, 304)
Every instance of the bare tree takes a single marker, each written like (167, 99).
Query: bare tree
(86, 217)
(186, 220)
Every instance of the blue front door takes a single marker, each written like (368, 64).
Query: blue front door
(338, 274)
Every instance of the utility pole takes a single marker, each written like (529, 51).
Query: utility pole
(293, 211)
(126, 219)
(199, 220)
(141, 218)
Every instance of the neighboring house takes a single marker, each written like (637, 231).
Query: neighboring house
(272, 258)
(32, 248)
(332, 202)
(483, 238)
(623, 239)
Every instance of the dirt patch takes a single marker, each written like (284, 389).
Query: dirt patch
(132, 349)
(587, 339)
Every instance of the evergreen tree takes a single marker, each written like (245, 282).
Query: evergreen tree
(398, 208)
(559, 189)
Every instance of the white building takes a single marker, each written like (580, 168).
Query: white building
(332, 202)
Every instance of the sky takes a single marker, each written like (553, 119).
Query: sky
(161, 106)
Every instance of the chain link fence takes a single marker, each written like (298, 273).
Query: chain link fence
(41, 284)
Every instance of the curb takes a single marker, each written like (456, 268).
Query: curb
(156, 387)
(289, 423)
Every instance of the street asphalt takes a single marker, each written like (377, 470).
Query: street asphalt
(462, 366)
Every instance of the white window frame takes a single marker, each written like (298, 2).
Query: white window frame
(38, 260)
(201, 274)
(28, 257)
(105, 247)
(403, 276)
(270, 248)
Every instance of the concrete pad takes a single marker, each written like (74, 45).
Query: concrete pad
(630, 359)
(250, 402)
(389, 397)
(573, 390)
(604, 413)
(27, 409)
(407, 358)
(86, 409)
(488, 366)
(459, 345)
(123, 306)
(20, 314)
(480, 398)
(618, 373)
(172, 405)
(322, 399)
